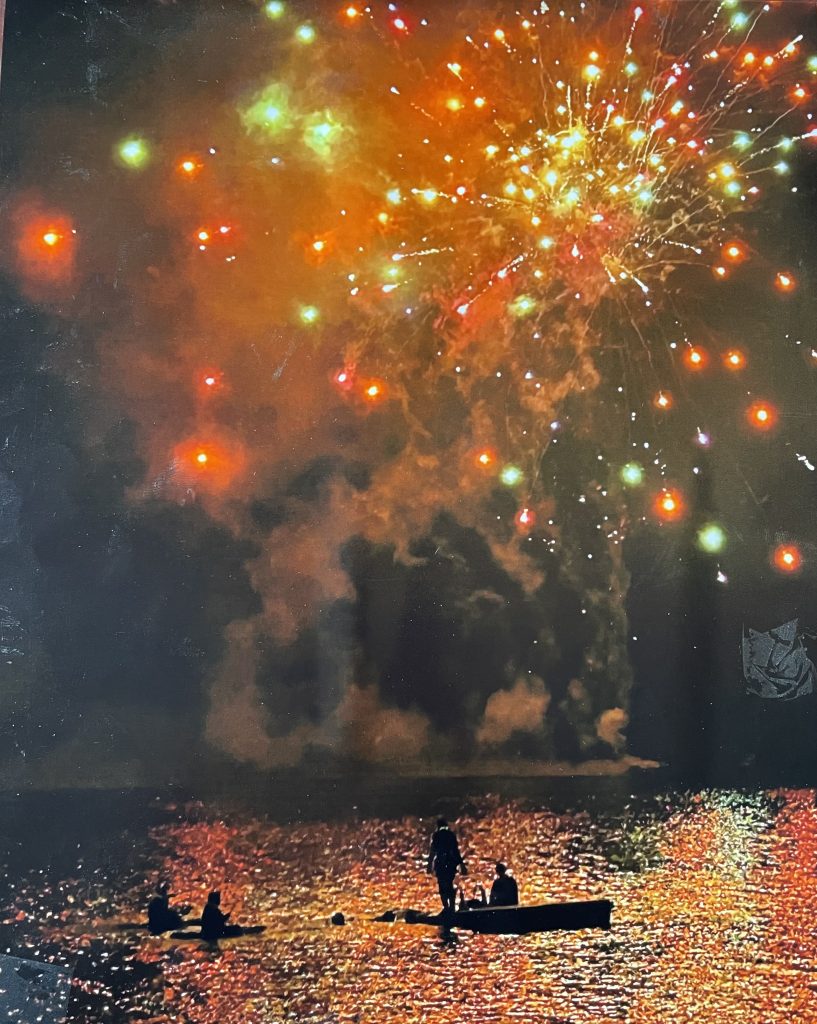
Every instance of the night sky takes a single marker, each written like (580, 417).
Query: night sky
(321, 448)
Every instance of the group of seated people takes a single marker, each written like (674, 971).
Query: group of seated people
(164, 918)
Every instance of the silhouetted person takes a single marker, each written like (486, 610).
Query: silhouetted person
(443, 859)
(504, 891)
(478, 900)
(161, 916)
(214, 923)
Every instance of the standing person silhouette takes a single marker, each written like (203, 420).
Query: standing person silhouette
(444, 858)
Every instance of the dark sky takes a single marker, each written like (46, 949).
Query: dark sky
(338, 588)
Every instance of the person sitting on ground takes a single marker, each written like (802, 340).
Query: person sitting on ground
(161, 916)
(504, 891)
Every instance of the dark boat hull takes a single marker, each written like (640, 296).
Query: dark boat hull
(232, 932)
(549, 917)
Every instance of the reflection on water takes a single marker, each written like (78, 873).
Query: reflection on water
(715, 917)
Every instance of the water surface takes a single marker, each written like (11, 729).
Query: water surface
(715, 899)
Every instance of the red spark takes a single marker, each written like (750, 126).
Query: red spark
(787, 558)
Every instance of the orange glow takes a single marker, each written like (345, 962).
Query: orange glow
(203, 235)
(720, 272)
(749, 58)
(663, 400)
(45, 248)
(799, 93)
(787, 558)
(734, 359)
(762, 415)
(525, 519)
(208, 462)
(696, 358)
(785, 281)
(374, 390)
(352, 12)
(735, 252)
(486, 458)
(189, 167)
(669, 505)
(209, 380)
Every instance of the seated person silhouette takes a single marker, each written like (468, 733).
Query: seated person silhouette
(504, 891)
(214, 923)
(161, 916)
(478, 900)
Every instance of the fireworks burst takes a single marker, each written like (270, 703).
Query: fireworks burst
(536, 187)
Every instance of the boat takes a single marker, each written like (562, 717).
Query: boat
(516, 920)
(230, 932)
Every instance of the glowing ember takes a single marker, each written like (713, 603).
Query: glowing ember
(762, 415)
(787, 558)
(669, 505)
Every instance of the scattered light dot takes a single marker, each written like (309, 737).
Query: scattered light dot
(696, 358)
(521, 306)
(785, 281)
(133, 152)
(632, 474)
(305, 34)
(663, 400)
(309, 314)
(274, 9)
(787, 558)
(734, 359)
(762, 415)
(734, 252)
(711, 538)
(669, 505)
(511, 475)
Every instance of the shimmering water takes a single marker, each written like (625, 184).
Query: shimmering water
(715, 915)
